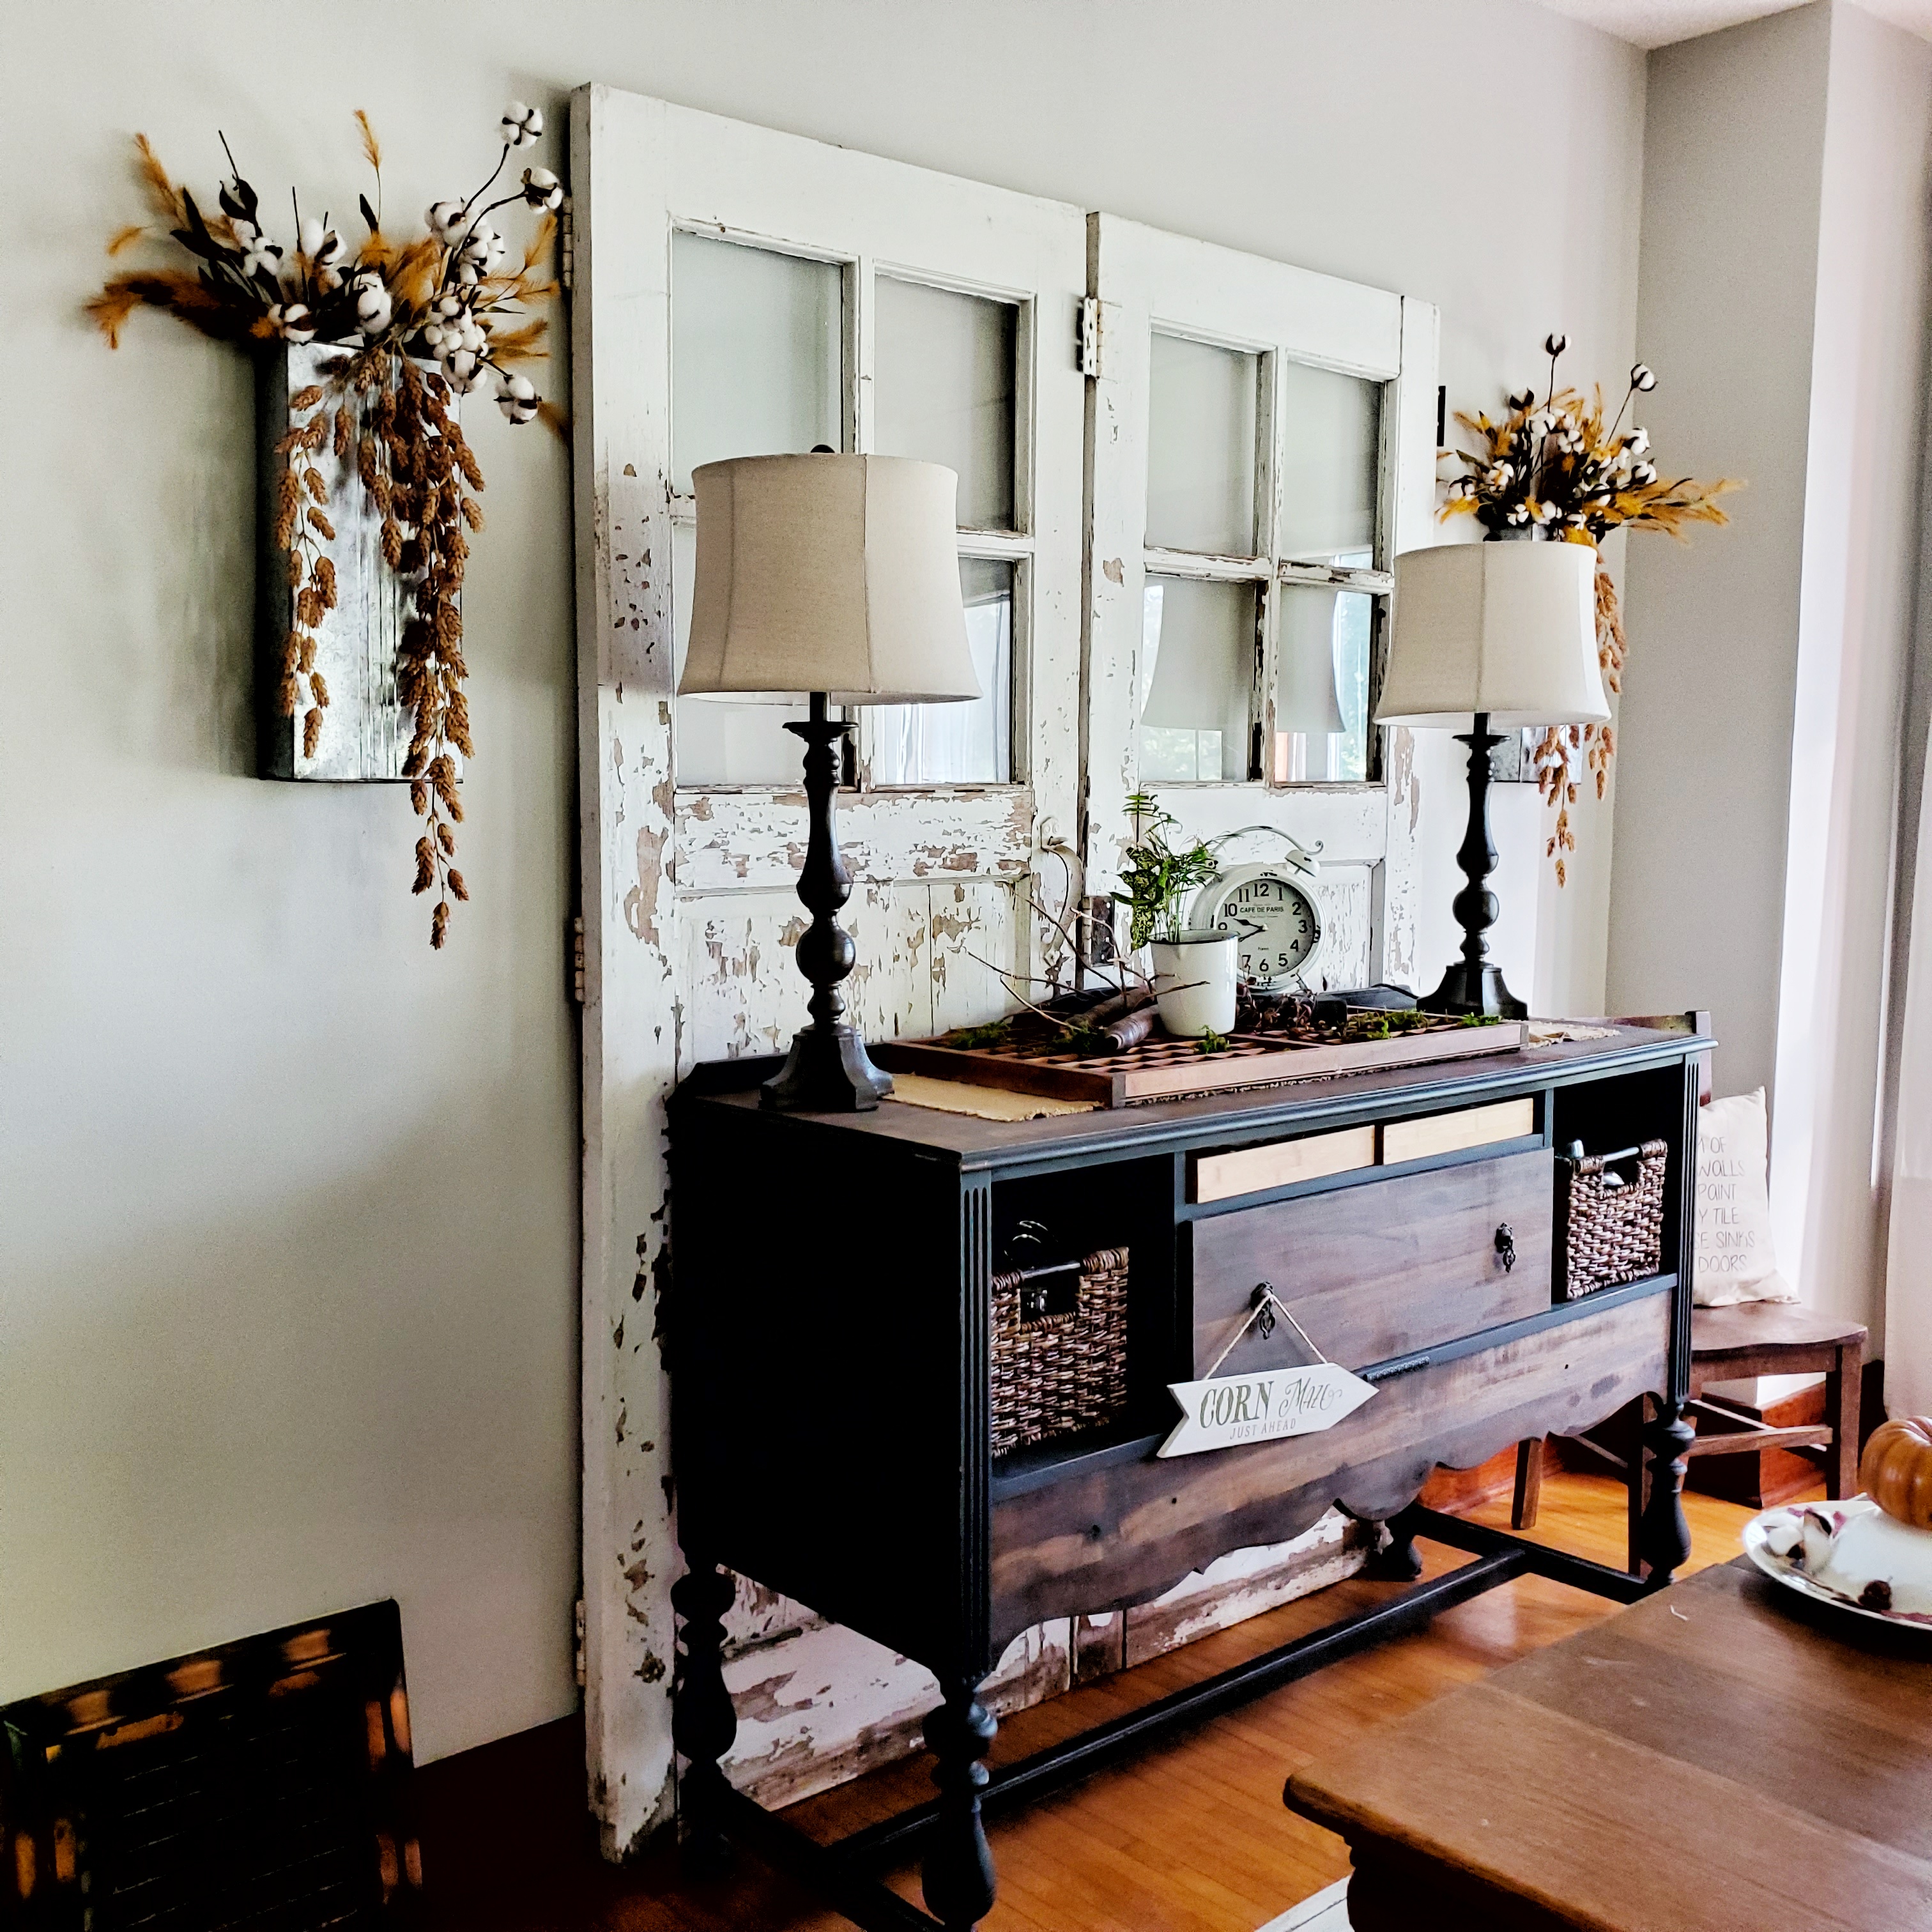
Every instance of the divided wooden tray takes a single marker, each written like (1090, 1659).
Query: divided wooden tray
(1162, 1068)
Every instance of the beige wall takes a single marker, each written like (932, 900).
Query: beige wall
(1734, 143)
(288, 1205)
(1783, 300)
(287, 1318)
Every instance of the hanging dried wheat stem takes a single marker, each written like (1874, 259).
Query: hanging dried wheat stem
(299, 523)
(418, 471)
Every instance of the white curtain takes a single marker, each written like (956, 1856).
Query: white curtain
(1908, 1293)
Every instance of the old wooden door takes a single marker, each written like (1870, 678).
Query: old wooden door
(741, 292)
(1264, 443)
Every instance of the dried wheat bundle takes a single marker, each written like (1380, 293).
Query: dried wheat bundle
(446, 297)
(1557, 468)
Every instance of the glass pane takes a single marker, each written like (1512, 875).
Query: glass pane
(1197, 680)
(758, 361)
(943, 390)
(1321, 702)
(959, 744)
(1331, 426)
(720, 741)
(1201, 448)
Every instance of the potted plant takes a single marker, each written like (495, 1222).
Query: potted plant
(1194, 966)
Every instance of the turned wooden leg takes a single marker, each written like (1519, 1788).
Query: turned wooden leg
(1397, 1560)
(702, 1720)
(1529, 1497)
(1844, 1388)
(956, 1875)
(1666, 1534)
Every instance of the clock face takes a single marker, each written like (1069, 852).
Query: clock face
(1290, 927)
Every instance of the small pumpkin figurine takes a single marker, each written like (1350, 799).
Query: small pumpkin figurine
(1896, 1470)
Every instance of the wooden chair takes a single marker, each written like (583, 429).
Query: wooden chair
(1753, 1338)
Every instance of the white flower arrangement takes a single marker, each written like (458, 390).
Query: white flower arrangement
(446, 298)
(1558, 469)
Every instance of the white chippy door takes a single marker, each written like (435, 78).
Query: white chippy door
(741, 292)
(1264, 444)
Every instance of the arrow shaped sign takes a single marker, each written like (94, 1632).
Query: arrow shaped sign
(1226, 1410)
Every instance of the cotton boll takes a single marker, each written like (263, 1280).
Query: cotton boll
(445, 219)
(293, 322)
(541, 189)
(518, 398)
(520, 126)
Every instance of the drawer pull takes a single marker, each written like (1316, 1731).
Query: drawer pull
(1401, 1366)
(1506, 1246)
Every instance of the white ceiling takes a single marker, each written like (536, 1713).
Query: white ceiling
(1656, 23)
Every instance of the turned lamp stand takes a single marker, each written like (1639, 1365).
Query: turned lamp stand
(1474, 983)
(828, 1070)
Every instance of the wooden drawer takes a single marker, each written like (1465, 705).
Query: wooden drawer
(1122, 1532)
(1448, 1133)
(1381, 1270)
(1220, 1177)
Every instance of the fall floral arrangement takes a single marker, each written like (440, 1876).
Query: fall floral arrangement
(418, 322)
(1564, 469)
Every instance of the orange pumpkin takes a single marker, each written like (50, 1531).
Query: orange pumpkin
(1896, 1469)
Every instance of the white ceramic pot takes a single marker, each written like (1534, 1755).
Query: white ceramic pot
(1194, 975)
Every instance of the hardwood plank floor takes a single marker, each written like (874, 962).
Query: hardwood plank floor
(1191, 1838)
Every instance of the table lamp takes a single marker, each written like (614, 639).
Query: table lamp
(835, 577)
(1498, 633)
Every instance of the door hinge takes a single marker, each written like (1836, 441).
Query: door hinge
(1087, 336)
(577, 1632)
(577, 958)
(566, 245)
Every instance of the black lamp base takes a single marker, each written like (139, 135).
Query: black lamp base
(1474, 983)
(1480, 989)
(828, 1071)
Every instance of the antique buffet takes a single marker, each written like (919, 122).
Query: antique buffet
(844, 1435)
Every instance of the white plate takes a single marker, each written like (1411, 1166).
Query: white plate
(1794, 1578)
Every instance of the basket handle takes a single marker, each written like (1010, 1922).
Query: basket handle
(1097, 1262)
(1596, 1163)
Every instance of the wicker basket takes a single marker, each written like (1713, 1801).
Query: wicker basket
(1609, 1217)
(1057, 1373)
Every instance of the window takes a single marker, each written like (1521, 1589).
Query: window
(763, 359)
(1264, 486)
(1262, 445)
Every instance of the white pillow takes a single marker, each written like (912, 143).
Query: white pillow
(1734, 1260)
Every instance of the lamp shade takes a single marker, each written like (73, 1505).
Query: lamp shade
(1509, 629)
(828, 573)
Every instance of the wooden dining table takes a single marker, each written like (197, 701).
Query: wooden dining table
(1724, 1756)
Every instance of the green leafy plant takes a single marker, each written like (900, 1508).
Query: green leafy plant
(1158, 877)
(1211, 1041)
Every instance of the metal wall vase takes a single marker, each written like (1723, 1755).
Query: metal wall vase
(365, 732)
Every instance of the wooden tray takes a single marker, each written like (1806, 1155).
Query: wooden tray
(1162, 1068)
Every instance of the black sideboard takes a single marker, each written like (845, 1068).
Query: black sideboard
(831, 1409)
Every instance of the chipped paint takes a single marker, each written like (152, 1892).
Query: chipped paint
(824, 1704)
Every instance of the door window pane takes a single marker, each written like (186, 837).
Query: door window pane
(1201, 447)
(1331, 431)
(720, 741)
(959, 744)
(943, 390)
(757, 359)
(1197, 680)
(1321, 699)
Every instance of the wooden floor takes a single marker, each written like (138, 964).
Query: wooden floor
(1192, 1838)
